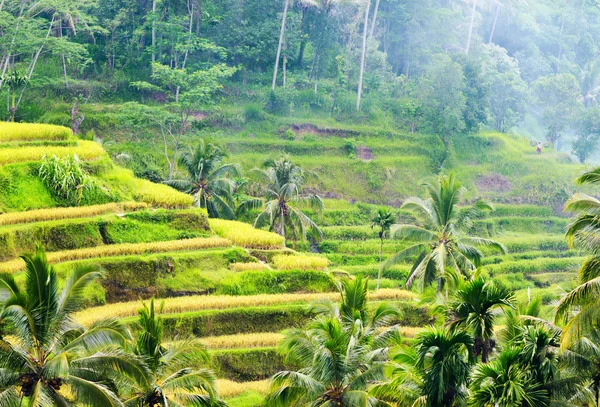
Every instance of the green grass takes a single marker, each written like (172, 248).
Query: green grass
(247, 399)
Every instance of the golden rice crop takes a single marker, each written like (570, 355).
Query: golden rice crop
(251, 340)
(245, 235)
(248, 266)
(203, 302)
(300, 262)
(40, 215)
(229, 389)
(86, 150)
(161, 195)
(125, 249)
(32, 131)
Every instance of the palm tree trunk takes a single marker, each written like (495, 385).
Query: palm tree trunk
(153, 32)
(439, 286)
(380, 258)
(495, 21)
(471, 26)
(281, 33)
(362, 58)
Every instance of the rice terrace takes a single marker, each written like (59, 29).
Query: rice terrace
(299, 203)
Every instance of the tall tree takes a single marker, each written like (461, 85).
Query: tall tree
(340, 354)
(441, 245)
(208, 179)
(473, 307)
(580, 309)
(47, 352)
(383, 221)
(282, 183)
(363, 53)
(443, 357)
(175, 378)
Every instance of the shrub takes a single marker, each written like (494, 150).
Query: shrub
(161, 195)
(243, 234)
(300, 262)
(253, 113)
(68, 180)
(123, 250)
(30, 131)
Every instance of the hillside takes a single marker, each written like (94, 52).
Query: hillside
(237, 287)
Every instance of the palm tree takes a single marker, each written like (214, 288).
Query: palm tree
(583, 359)
(504, 382)
(208, 179)
(441, 246)
(340, 354)
(283, 192)
(443, 356)
(580, 308)
(473, 308)
(172, 381)
(383, 221)
(48, 358)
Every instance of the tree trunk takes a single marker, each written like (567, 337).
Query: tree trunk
(281, 33)
(495, 21)
(439, 286)
(300, 58)
(153, 32)
(374, 19)
(471, 26)
(362, 58)
(187, 49)
(380, 259)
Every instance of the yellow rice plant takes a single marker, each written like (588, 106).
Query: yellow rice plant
(203, 302)
(32, 131)
(228, 389)
(161, 195)
(251, 340)
(243, 234)
(41, 215)
(248, 266)
(126, 249)
(86, 150)
(300, 262)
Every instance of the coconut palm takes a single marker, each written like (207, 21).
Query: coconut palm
(580, 309)
(341, 354)
(208, 179)
(441, 246)
(283, 182)
(474, 307)
(583, 359)
(443, 357)
(383, 221)
(175, 379)
(48, 358)
(504, 382)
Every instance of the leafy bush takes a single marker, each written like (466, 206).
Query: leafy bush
(253, 113)
(300, 262)
(67, 178)
(29, 131)
(245, 235)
